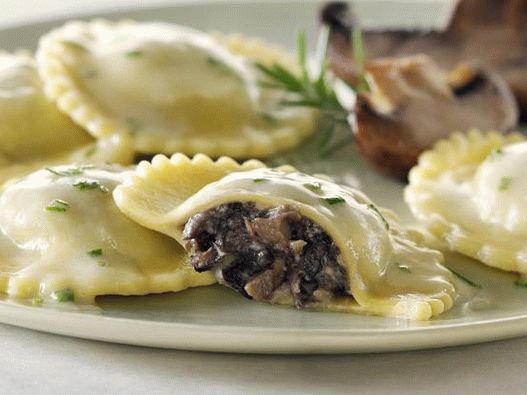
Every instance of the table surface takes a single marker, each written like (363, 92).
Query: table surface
(33, 362)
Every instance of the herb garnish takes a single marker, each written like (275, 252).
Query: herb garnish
(313, 186)
(91, 74)
(334, 200)
(90, 152)
(316, 92)
(58, 205)
(64, 295)
(404, 268)
(71, 171)
(359, 56)
(88, 185)
(37, 301)
(134, 54)
(269, 118)
(505, 183)
(221, 66)
(374, 208)
(95, 253)
(495, 153)
(521, 282)
(73, 45)
(465, 279)
(259, 180)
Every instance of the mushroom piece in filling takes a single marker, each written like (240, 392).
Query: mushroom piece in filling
(266, 254)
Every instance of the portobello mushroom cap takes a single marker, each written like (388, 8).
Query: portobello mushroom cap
(412, 103)
(490, 32)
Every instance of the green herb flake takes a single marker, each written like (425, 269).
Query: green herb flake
(404, 268)
(465, 279)
(90, 152)
(495, 153)
(334, 200)
(259, 180)
(311, 91)
(134, 54)
(95, 253)
(91, 74)
(102, 264)
(269, 118)
(64, 295)
(73, 45)
(133, 124)
(313, 186)
(37, 301)
(58, 206)
(69, 172)
(374, 208)
(521, 282)
(505, 183)
(88, 185)
(218, 64)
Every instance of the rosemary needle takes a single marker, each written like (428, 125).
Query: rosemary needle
(316, 92)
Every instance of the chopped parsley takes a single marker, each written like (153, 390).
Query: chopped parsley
(259, 180)
(521, 282)
(313, 186)
(495, 153)
(71, 171)
(404, 268)
(334, 200)
(269, 118)
(88, 185)
(73, 45)
(133, 124)
(90, 152)
(37, 301)
(64, 295)
(91, 74)
(134, 54)
(374, 208)
(58, 205)
(95, 253)
(465, 279)
(219, 65)
(505, 183)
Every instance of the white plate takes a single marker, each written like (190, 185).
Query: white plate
(216, 319)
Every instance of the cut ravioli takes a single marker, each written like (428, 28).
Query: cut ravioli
(32, 127)
(173, 88)
(470, 191)
(62, 237)
(279, 236)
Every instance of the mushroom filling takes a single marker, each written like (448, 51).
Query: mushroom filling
(266, 254)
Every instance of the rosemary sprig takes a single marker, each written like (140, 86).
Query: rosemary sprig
(316, 91)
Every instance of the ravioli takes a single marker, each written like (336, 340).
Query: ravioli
(283, 237)
(62, 237)
(470, 191)
(32, 127)
(173, 88)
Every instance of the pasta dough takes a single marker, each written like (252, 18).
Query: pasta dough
(470, 192)
(171, 87)
(32, 127)
(367, 263)
(63, 238)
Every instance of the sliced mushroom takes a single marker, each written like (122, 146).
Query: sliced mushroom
(412, 104)
(491, 32)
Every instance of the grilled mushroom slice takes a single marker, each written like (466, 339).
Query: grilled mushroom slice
(412, 104)
(493, 32)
